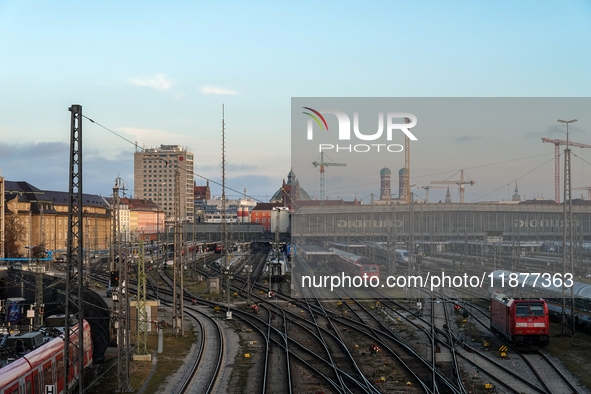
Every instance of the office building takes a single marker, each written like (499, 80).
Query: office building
(154, 177)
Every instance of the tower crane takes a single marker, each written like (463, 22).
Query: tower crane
(461, 183)
(323, 164)
(588, 188)
(406, 176)
(557, 144)
(427, 188)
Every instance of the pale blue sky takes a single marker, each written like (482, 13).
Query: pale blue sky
(159, 72)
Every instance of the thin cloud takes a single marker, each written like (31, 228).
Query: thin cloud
(152, 137)
(467, 138)
(214, 90)
(159, 82)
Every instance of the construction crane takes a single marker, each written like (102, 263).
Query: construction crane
(406, 175)
(461, 183)
(323, 164)
(588, 188)
(427, 188)
(557, 144)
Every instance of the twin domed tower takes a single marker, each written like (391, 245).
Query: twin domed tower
(385, 183)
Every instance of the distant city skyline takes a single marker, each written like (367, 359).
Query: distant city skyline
(159, 73)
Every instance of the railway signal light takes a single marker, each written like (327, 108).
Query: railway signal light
(114, 278)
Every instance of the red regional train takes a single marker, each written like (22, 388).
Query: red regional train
(43, 366)
(354, 265)
(520, 321)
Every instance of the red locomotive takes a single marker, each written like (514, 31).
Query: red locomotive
(520, 321)
(356, 265)
(43, 366)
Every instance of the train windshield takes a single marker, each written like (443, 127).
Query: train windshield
(529, 309)
(370, 268)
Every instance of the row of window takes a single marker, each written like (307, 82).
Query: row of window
(160, 161)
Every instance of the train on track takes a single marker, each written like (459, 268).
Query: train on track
(280, 266)
(520, 321)
(39, 366)
(552, 295)
(380, 251)
(355, 265)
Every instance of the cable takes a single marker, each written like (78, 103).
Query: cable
(166, 161)
(546, 162)
(483, 165)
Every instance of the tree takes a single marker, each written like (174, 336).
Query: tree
(14, 235)
(38, 251)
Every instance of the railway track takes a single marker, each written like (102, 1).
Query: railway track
(321, 326)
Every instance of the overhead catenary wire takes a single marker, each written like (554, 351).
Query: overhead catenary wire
(514, 180)
(144, 150)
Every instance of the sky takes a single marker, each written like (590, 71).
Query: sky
(158, 73)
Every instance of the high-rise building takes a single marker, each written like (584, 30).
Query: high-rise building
(154, 177)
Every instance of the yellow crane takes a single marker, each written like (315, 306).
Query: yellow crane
(461, 183)
(323, 164)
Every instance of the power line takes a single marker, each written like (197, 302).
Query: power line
(483, 165)
(144, 151)
(516, 179)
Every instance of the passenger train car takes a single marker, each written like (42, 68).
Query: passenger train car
(402, 256)
(280, 267)
(355, 265)
(381, 252)
(43, 366)
(520, 321)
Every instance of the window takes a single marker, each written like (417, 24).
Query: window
(522, 311)
(257, 220)
(264, 220)
(257, 215)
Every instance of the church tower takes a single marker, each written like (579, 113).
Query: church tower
(385, 190)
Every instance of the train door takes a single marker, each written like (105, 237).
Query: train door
(59, 361)
(36, 388)
(29, 384)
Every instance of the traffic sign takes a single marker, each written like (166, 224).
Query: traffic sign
(503, 349)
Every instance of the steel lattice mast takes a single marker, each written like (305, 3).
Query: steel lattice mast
(123, 337)
(74, 297)
(177, 301)
(224, 224)
(142, 344)
(557, 144)
(568, 323)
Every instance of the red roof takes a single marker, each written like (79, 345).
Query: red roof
(200, 190)
(267, 206)
(136, 204)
